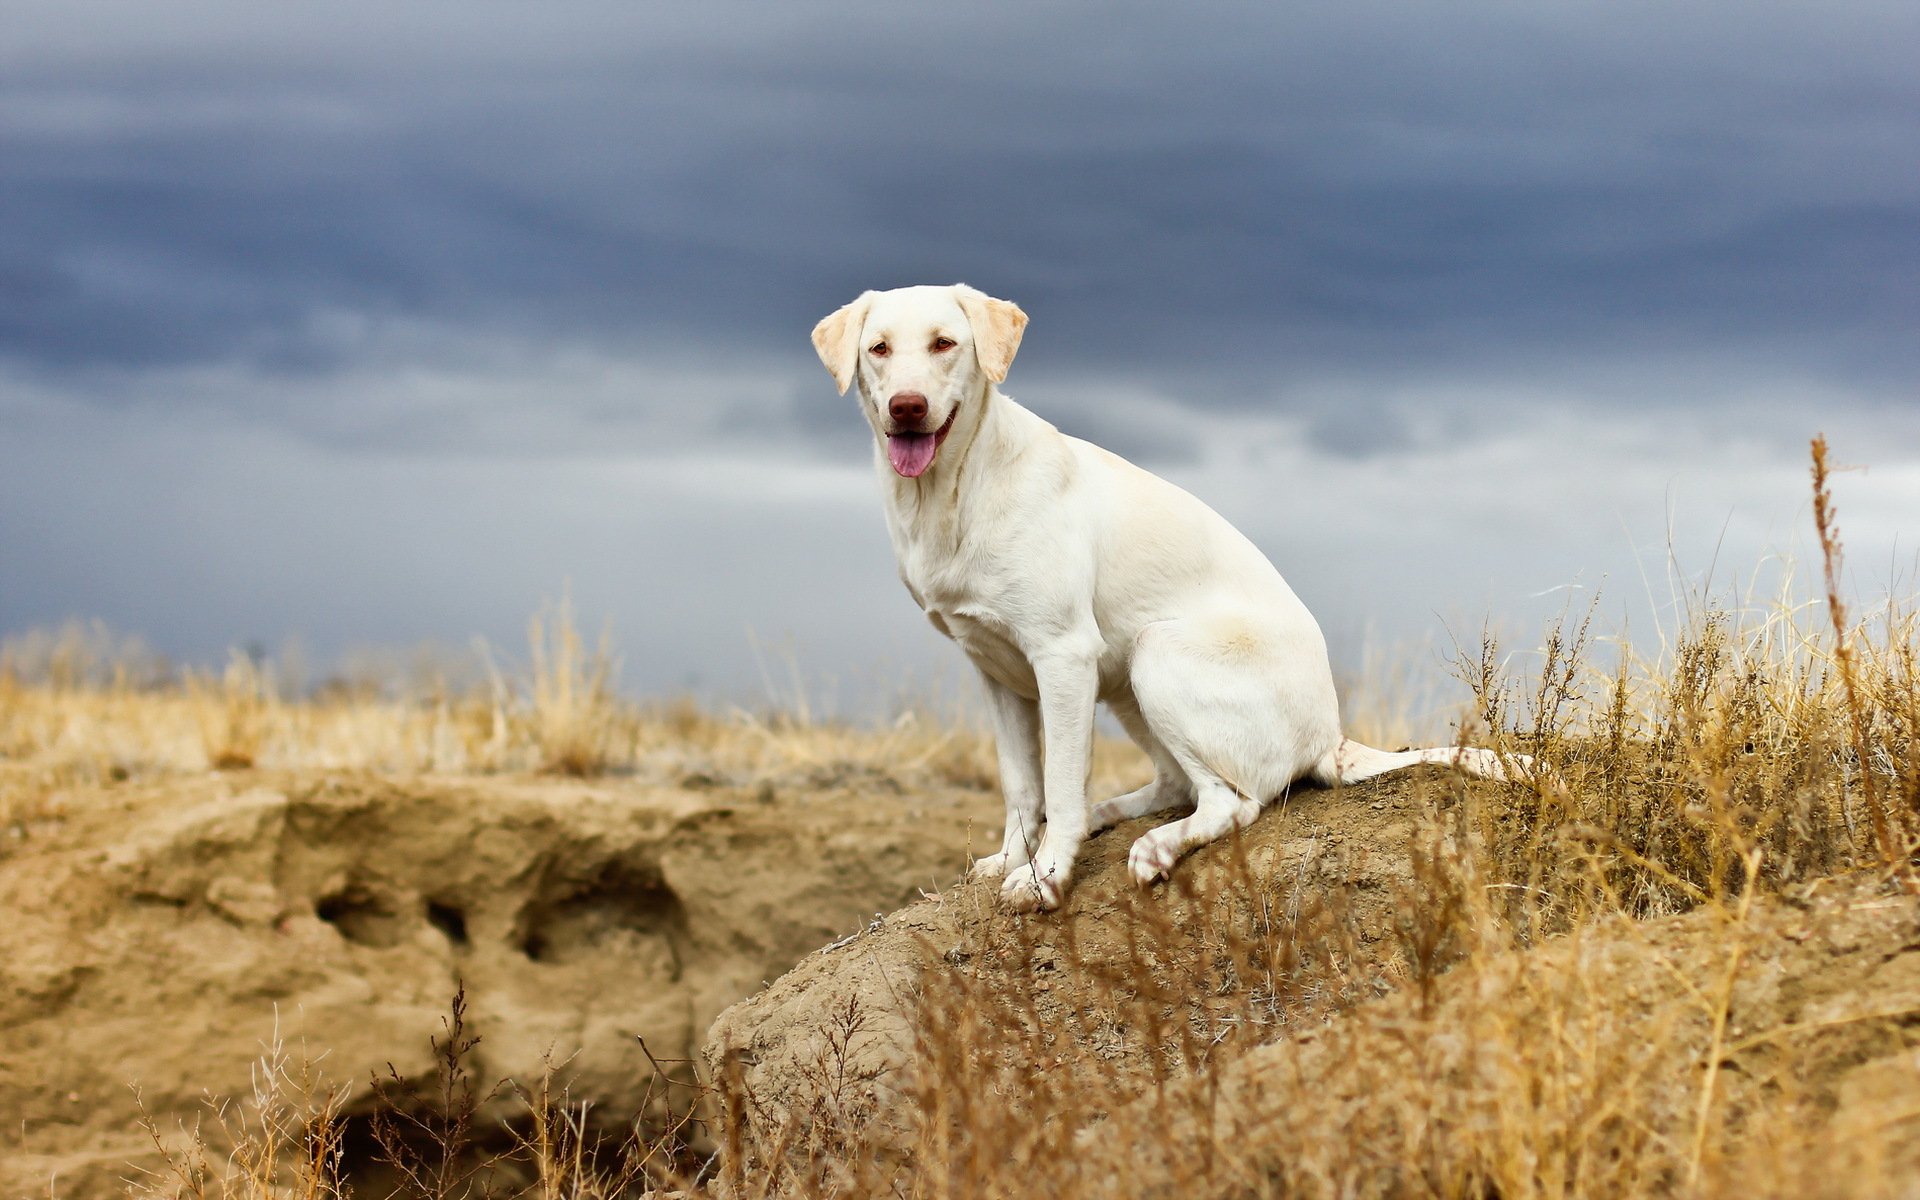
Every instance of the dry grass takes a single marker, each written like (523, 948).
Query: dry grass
(234, 712)
(576, 723)
(72, 714)
(294, 1137)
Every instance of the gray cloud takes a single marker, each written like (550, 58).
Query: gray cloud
(1256, 193)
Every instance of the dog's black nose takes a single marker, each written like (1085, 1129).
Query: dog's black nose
(908, 408)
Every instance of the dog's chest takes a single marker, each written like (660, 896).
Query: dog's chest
(988, 645)
(968, 601)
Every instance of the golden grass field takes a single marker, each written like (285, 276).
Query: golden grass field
(1684, 961)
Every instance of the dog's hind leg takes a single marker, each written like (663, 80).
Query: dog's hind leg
(1230, 701)
(1220, 811)
(1169, 789)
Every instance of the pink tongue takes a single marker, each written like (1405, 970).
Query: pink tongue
(911, 453)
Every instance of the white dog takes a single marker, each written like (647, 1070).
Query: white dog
(1069, 575)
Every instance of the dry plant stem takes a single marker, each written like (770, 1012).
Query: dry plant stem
(1892, 853)
(286, 1138)
(188, 1167)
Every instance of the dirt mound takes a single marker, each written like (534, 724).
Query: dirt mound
(155, 933)
(1322, 878)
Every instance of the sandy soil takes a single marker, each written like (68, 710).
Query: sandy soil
(156, 933)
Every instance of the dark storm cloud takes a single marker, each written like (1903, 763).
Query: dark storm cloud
(1252, 198)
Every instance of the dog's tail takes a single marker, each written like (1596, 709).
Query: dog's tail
(1350, 762)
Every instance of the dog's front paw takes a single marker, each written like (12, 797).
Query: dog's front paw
(993, 866)
(1027, 891)
(1151, 858)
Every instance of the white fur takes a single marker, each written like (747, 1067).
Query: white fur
(1069, 575)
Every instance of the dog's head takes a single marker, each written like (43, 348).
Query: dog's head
(925, 359)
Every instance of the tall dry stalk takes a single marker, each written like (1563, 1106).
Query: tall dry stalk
(1892, 852)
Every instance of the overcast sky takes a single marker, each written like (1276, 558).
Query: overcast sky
(370, 323)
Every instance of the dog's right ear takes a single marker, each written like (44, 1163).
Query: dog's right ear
(837, 339)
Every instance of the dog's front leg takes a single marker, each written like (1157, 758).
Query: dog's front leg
(1068, 678)
(1016, 740)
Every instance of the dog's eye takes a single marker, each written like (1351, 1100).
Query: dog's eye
(943, 343)
(879, 350)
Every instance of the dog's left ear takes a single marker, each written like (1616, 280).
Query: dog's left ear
(997, 325)
(836, 339)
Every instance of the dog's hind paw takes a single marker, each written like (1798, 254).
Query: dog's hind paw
(1151, 858)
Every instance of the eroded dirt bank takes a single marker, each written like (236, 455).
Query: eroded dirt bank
(153, 934)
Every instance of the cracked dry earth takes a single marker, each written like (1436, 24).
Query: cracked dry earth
(155, 933)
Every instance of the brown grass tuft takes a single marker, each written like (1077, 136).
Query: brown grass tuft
(577, 721)
(301, 1136)
(234, 712)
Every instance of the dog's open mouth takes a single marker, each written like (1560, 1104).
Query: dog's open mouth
(912, 453)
